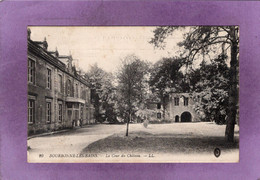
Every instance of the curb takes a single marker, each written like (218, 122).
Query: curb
(56, 132)
(49, 133)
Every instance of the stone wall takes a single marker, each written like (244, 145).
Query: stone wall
(41, 94)
(181, 112)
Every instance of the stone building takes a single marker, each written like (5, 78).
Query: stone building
(180, 107)
(157, 114)
(58, 97)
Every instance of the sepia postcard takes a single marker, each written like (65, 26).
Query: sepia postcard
(133, 94)
(129, 90)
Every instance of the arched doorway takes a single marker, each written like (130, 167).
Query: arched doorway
(177, 118)
(186, 117)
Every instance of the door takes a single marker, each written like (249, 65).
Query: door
(186, 117)
(177, 118)
(70, 117)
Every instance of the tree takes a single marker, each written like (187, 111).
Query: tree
(165, 78)
(210, 83)
(204, 40)
(131, 85)
(103, 92)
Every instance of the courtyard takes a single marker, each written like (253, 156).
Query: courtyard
(177, 142)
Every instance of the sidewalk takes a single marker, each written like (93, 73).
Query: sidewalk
(48, 133)
(58, 131)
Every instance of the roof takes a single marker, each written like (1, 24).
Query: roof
(37, 50)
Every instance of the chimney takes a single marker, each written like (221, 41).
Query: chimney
(45, 44)
(28, 33)
(56, 53)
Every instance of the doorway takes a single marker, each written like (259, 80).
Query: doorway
(177, 118)
(186, 117)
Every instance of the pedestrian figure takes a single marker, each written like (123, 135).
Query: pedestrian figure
(80, 122)
(73, 123)
(145, 123)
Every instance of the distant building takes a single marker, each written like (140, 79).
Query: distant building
(58, 97)
(157, 108)
(180, 107)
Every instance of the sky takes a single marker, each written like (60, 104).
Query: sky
(106, 46)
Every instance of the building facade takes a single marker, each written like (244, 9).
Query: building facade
(58, 96)
(180, 107)
(157, 114)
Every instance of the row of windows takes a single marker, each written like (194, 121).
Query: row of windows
(31, 111)
(176, 102)
(185, 102)
(31, 79)
(79, 91)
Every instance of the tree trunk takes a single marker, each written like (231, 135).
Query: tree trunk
(96, 106)
(127, 124)
(163, 105)
(233, 90)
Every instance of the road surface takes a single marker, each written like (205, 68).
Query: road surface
(70, 142)
(47, 148)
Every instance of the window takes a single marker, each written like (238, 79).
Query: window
(81, 112)
(69, 105)
(68, 87)
(31, 111)
(48, 78)
(31, 71)
(76, 105)
(158, 105)
(60, 83)
(69, 114)
(48, 111)
(85, 93)
(159, 115)
(81, 93)
(76, 113)
(60, 112)
(76, 90)
(186, 101)
(176, 101)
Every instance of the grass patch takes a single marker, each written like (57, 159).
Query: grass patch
(144, 142)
